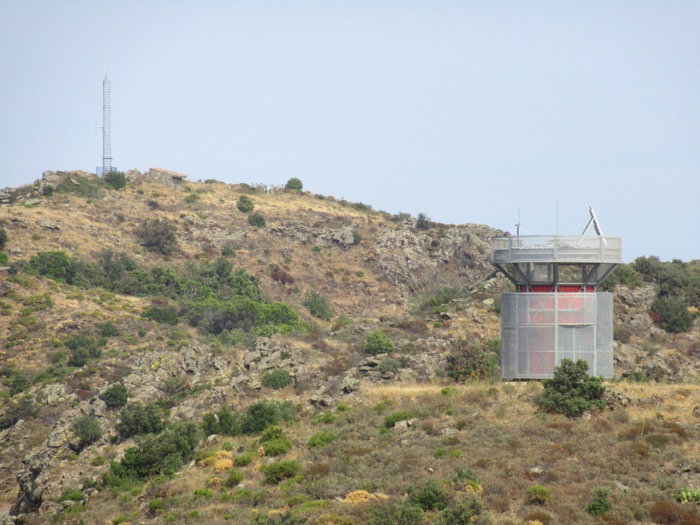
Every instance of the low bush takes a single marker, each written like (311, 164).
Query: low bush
(571, 391)
(318, 306)
(53, 265)
(3, 237)
(674, 314)
(276, 379)
(245, 204)
(393, 513)
(600, 503)
(276, 472)
(115, 179)
(538, 495)
(234, 478)
(468, 510)
(265, 413)
(115, 396)
(378, 342)
(137, 418)
(469, 361)
(88, 430)
(392, 419)
(321, 439)
(108, 329)
(162, 314)
(23, 408)
(257, 220)
(163, 453)
(429, 496)
(688, 495)
(158, 235)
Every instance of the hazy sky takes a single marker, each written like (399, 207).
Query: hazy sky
(469, 111)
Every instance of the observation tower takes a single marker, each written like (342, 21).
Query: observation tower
(557, 311)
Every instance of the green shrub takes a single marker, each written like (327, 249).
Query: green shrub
(245, 204)
(276, 472)
(23, 408)
(471, 362)
(265, 413)
(467, 511)
(674, 314)
(423, 222)
(276, 379)
(88, 430)
(234, 478)
(571, 391)
(87, 187)
(108, 329)
(158, 235)
(70, 494)
(163, 453)
(318, 306)
(429, 496)
(47, 191)
(378, 343)
(3, 237)
(321, 439)
(243, 460)
(538, 495)
(392, 419)
(277, 446)
(191, 198)
(53, 265)
(257, 220)
(115, 179)
(224, 422)
(161, 314)
(392, 513)
(688, 495)
(294, 184)
(83, 348)
(600, 504)
(115, 396)
(4, 258)
(137, 418)
(18, 383)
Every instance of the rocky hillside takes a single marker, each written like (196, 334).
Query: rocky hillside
(295, 288)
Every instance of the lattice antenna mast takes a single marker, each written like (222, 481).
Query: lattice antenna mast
(106, 132)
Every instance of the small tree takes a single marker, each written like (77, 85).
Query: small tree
(294, 184)
(422, 222)
(571, 391)
(115, 179)
(158, 235)
(3, 236)
(378, 343)
(245, 204)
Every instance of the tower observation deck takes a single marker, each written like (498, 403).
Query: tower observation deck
(557, 311)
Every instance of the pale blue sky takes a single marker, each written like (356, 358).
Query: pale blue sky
(468, 111)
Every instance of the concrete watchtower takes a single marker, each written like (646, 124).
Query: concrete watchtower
(557, 311)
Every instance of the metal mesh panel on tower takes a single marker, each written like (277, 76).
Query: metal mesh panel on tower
(541, 329)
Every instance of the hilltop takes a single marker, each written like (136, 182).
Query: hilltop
(212, 303)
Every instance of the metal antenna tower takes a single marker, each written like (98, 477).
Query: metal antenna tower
(106, 133)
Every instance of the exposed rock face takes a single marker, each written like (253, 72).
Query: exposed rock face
(411, 259)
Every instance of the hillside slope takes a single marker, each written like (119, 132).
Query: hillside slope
(432, 291)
